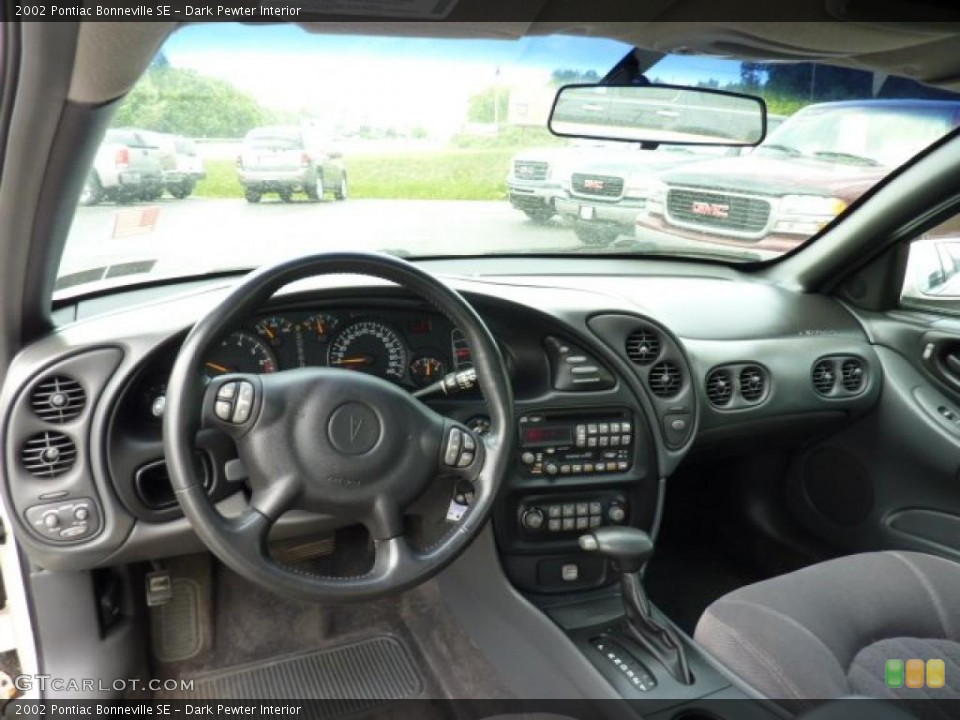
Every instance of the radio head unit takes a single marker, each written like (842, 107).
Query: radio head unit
(579, 442)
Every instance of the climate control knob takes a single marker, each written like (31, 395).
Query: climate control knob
(532, 519)
(528, 458)
(552, 469)
(616, 514)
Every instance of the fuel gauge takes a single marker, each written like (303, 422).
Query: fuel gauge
(426, 370)
(275, 330)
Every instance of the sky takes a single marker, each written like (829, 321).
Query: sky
(408, 82)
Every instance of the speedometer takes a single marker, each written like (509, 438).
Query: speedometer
(371, 347)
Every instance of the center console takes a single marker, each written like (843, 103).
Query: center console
(576, 469)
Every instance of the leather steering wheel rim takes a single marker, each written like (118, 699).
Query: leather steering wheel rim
(241, 542)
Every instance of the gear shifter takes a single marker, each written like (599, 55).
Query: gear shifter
(629, 549)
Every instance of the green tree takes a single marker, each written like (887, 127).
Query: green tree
(567, 76)
(186, 102)
(489, 106)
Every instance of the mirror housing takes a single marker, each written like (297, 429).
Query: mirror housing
(659, 114)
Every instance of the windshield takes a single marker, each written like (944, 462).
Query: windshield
(246, 144)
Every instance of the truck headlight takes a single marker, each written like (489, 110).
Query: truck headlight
(807, 214)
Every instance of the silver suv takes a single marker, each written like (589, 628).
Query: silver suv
(286, 160)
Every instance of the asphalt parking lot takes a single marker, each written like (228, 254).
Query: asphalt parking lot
(234, 232)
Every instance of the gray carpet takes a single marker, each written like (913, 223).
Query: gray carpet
(252, 625)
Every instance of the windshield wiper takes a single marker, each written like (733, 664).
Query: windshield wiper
(785, 149)
(850, 157)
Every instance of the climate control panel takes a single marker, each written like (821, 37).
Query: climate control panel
(557, 516)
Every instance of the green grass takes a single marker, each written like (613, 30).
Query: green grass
(452, 174)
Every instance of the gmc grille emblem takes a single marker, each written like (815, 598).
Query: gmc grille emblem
(593, 184)
(717, 210)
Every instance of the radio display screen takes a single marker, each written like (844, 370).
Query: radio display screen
(556, 435)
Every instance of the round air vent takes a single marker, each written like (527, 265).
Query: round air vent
(824, 377)
(58, 399)
(665, 380)
(852, 375)
(643, 347)
(753, 383)
(48, 454)
(720, 388)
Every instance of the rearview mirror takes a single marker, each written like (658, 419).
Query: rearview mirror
(665, 114)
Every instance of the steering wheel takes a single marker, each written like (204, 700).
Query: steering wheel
(334, 441)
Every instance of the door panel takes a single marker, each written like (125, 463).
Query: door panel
(892, 480)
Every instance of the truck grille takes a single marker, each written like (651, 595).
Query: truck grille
(734, 214)
(534, 170)
(606, 186)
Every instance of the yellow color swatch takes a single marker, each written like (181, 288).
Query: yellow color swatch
(936, 674)
(915, 673)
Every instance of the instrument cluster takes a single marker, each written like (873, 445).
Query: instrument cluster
(410, 348)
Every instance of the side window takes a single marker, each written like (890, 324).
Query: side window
(932, 279)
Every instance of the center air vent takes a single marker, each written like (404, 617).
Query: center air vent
(58, 399)
(720, 387)
(643, 347)
(665, 380)
(852, 375)
(753, 383)
(824, 377)
(48, 454)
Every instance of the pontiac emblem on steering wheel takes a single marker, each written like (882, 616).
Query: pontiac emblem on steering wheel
(354, 428)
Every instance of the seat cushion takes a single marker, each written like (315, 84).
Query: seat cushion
(818, 633)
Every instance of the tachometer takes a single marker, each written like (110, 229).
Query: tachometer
(240, 352)
(371, 347)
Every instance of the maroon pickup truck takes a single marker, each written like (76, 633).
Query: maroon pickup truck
(804, 175)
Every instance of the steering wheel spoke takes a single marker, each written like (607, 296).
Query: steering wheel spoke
(232, 403)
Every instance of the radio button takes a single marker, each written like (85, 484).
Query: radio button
(614, 440)
(591, 442)
(595, 521)
(615, 428)
(553, 511)
(469, 444)
(564, 469)
(582, 508)
(603, 428)
(569, 510)
(569, 524)
(595, 508)
(623, 466)
(577, 469)
(604, 441)
(466, 459)
(591, 429)
(625, 440)
(625, 428)
(553, 526)
(582, 523)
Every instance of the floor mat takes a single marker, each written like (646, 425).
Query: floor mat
(354, 676)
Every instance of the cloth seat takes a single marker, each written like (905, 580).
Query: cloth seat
(827, 631)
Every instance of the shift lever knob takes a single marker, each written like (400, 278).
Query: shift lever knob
(628, 547)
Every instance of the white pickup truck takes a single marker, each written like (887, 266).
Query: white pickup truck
(127, 168)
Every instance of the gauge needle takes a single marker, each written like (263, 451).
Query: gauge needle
(218, 368)
(359, 360)
(270, 333)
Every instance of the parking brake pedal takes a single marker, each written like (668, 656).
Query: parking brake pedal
(159, 588)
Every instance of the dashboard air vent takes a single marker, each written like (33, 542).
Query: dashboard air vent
(48, 454)
(824, 377)
(753, 383)
(665, 380)
(643, 347)
(720, 387)
(58, 399)
(852, 375)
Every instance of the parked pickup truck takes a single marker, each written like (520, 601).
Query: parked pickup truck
(539, 176)
(127, 167)
(603, 194)
(803, 176)
(181, 163)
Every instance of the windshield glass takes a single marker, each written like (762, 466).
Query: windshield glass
(246, 144)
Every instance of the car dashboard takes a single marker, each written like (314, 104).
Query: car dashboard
(619, 375)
